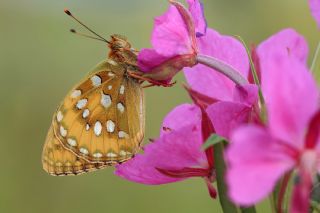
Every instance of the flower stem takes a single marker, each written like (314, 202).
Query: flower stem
(223, 68)
(282, 192)
(226, 204)
(251, 209)
(252, 68)
(255, 78)
(272, 203)
(315, 57)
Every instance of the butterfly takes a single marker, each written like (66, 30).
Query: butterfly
(101, 121)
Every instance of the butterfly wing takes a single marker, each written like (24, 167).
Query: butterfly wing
(102, 119)
(58, 161)
(132, 117)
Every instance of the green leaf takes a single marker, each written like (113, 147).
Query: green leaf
(213, 140)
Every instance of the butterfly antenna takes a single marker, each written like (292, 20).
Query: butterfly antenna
(84, 35)
(85, 26)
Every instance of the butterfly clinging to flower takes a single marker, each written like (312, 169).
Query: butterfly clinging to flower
(101, 120)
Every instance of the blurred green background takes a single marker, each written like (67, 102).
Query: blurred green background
(40, 61)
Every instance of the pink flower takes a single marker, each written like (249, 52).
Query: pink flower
(230, 104)
(210, 82)
(174, 41)
(259, 155)
(175, 155)
(315, 10)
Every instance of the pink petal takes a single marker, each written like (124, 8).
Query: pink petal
(291, 96)
(226, 116)
(301, 193)
(315, 10)
(246, 94)
(199, 99)
(313, 133)
(286, 42)
(197, 13)
(170, 36)
(255, 163)
(149, 59)
(208, 81)
(173, 40)
(181, 116)
(169, 68)
(172, 151)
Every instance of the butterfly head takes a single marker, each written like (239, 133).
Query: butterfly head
(119, 42)
(121, 50)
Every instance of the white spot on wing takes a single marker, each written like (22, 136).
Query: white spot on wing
(84, 151)
(122, 134)
(112, 62)
(96, 80)
(97, 155)
(63, 131)
(111, 74)
(121, 90)
(120, 107)
(111, 155)
(97, 128)
(110, 126)
(72, 142)
(87, 127)
(81, 103)
(122, 153)
(59, 116)
(76, 93)
(109, 87)
(105, 100)
(85, 113)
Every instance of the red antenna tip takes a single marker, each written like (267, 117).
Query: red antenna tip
(67, 12)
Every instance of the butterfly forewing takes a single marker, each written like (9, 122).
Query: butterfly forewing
(102, 119)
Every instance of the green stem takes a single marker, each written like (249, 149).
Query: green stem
(315, 57)
(275, 195)
(255, 78)
(253, 69)
(226, 204)
(250, 209)
(272, 204)
(282, 192)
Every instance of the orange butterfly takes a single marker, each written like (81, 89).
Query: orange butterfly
(101, 120)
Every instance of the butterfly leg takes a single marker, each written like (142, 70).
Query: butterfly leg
(160, 84)
(151, 81)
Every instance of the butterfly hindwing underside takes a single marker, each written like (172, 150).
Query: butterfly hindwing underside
(99, 123)
(57, 160)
